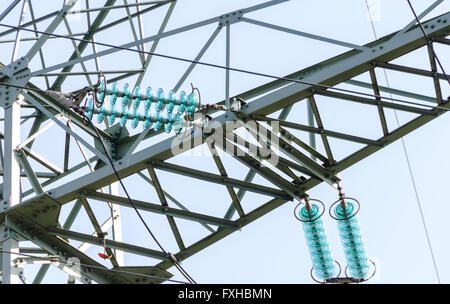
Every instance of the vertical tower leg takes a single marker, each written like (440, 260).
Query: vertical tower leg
(11, 190)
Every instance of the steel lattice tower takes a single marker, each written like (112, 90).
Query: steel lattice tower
(35, 188)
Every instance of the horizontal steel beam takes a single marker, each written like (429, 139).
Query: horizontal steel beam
(38, 175)
(296, 126)
(374, 102)
(442, 40)
(305, 34)
(145, 206)
(95, 9)
(73, 235)
(401, 68)
(366, 85)
(218, 179)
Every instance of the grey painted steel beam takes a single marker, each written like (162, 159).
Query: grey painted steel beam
(68, 4)
(263, 153)
(9, 9)
(124, 19)
(97, 228)
(374, 102)
(99, 154)
(73, 235)
(172, 199)
(38, 174)
(40, 159)
(41, 53)
(162, 199)
(55, 108)
(19, 31)
(410, 70)
(197, 58)
(126, 5)
(437, 85)
(265, 172)
(82, 45)
(154, 45)
(376, 91)
(284, 146)
(67, 224)
(149, 207)
(366, 85)
(36, 20)
(288, 136)
(219, 164)
(133, 31)
(315, 111)
(90, 73)
(296, 126)
(20, 155)
(442, 40)
(214, 178)
(305, 34)
(421, 15)
(54, 177)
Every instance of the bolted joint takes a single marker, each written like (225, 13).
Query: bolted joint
(230, 18)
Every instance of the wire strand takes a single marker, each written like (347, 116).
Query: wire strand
(405, 151)
(287, 79)
(338, 89)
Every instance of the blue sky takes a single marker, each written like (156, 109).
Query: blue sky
(273, 249)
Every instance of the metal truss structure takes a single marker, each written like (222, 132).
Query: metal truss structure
(33, 213)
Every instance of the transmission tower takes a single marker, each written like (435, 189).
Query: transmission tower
(253, 128)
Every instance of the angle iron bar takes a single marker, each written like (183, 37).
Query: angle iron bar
(95, 9)
(74, 61)
(52, 27)
(410, 70)
(73, 235)
(374, 102)
(68, 130)
(83, 44)
(154, 44)
(165, 210)
(172, 199)
(292, 125)
(366, 85)
(214, 178)
(304, 34)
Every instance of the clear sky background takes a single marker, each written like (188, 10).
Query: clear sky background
(273, 249)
